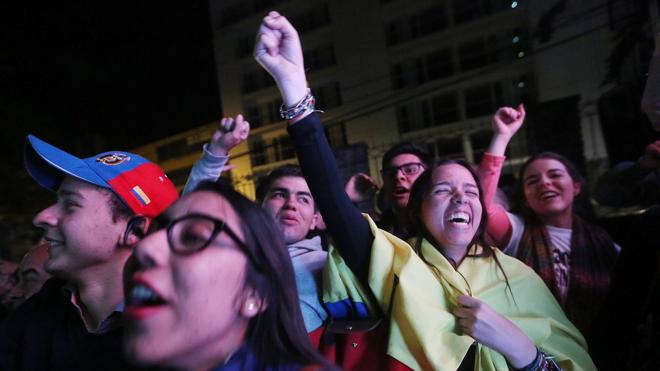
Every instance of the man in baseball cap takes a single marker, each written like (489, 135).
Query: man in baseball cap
(74, 322)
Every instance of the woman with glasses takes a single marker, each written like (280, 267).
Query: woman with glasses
(211, 287)
(449, 300)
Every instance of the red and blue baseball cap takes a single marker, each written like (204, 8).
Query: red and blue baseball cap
(141, 184)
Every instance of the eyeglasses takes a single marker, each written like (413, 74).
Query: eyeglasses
(188, 234)
(410, 168)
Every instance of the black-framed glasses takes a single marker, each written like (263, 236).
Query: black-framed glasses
(192, 233)
(410, 168)
(186, 235)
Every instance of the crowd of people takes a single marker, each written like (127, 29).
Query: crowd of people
(129, 275)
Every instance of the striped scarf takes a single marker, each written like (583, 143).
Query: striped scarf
(592, 258)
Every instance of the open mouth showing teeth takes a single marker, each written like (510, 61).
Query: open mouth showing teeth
(400, 191)
(51, 242)
(459, 218)
(548, 195)
(143, 296)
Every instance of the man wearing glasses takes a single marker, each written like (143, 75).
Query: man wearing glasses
(74, 322)
(401, 166)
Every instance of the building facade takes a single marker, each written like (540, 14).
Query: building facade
(427, 71)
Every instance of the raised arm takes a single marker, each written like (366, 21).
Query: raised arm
(215, 154)
(279, 51)
(505, 124)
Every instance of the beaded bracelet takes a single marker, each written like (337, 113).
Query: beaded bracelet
(542, 362)
(306, 104)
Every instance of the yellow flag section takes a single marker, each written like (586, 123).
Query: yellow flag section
(423, 331)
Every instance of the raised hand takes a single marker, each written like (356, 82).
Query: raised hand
(360, 187)
(230, 133)
(279, 52)
(478, 320)
(651, 159)
(506, 122)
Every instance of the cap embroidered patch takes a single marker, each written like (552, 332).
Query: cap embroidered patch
(140, 195)
(113, 158)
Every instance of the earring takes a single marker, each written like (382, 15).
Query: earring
(251, 306)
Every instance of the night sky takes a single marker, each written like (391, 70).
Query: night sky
(125, 73)
(89, 76)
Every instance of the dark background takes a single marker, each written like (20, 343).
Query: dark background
(130, 73)
(88, 76)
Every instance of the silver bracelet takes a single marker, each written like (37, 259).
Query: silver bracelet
(306, 104)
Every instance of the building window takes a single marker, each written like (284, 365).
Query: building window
(277, 149)
(179, 176)
(273, 111)
(243, 9)
(327, 96)
(480, 142)
(283, 148)
(257, 152)
(262, 114)
(395, 32)
(432, 20)
(312, 19)
(252, 114)
(245, 46)
(321, 57)
(254, 80)
(407, 73)
(483, 99)
(467, 11)
(445, 109)
(178, 148)
(435, 111)
(449, 148)
(477, 53)
(416, 71)
(404, 118)
(417, 25)
(336, 134)
(438, 64)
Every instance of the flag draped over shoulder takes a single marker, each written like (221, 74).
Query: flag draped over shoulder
(423, 330)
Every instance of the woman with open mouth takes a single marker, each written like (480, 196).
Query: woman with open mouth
(449, 300)
(211, 287)
(574, 257)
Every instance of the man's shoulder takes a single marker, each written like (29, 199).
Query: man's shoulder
(51, 298)
(53, 289)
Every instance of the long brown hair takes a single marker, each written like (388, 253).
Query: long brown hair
(277, 336)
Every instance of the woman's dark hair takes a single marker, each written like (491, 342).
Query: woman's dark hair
(276, 336)
(420, 190)
(118, 209)
(405, 148)
(581, 203)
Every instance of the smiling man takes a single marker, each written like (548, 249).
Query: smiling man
(74, 322)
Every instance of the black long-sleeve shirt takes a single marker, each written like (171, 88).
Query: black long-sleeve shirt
(347, 227)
